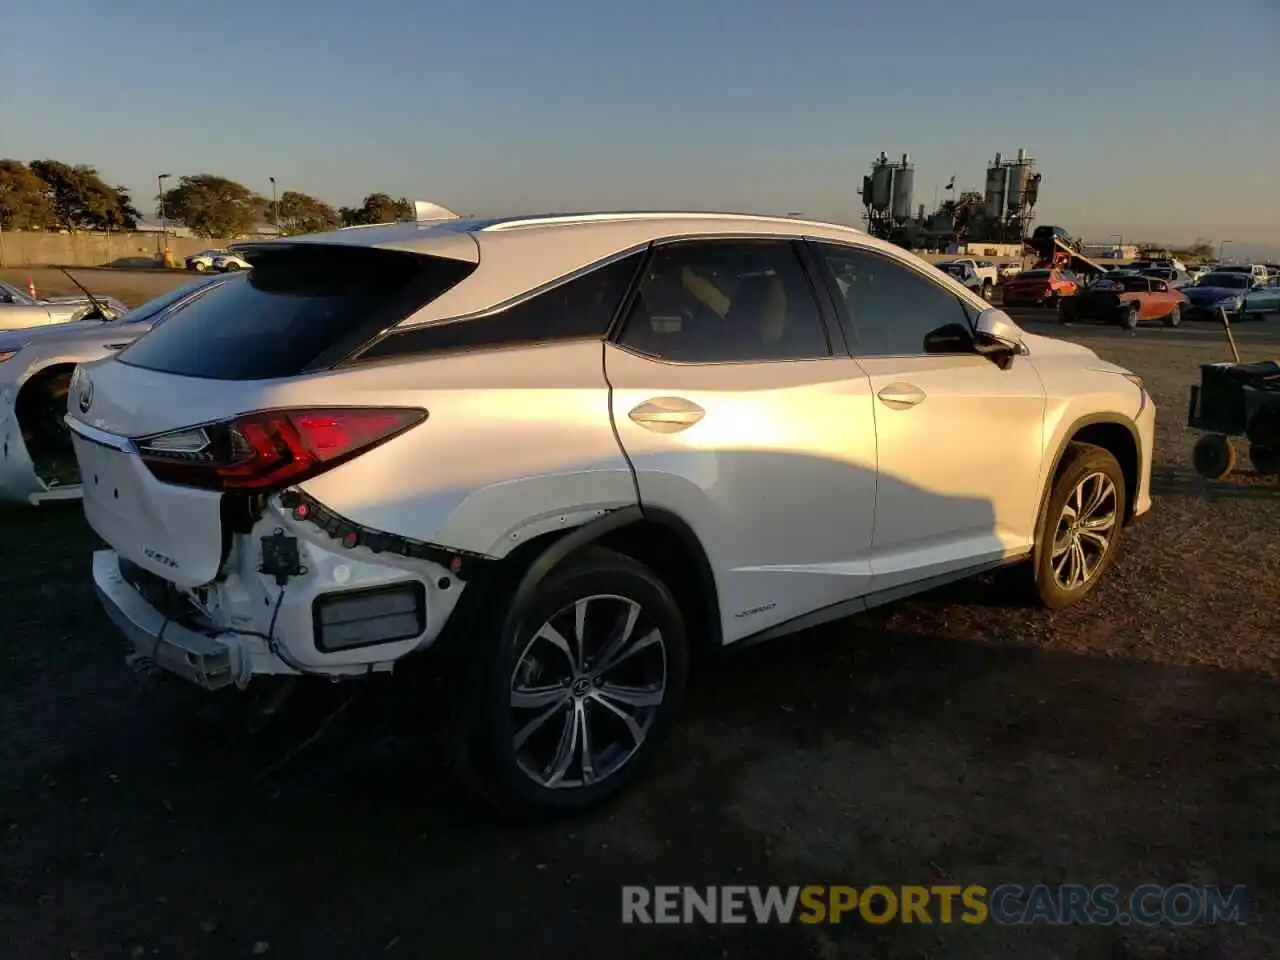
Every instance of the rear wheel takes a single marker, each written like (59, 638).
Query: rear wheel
(1213, 456)
(1129, 316)
(986, 290)
(1081, 529)
(564, 704)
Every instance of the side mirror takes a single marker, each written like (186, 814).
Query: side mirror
(995, 334)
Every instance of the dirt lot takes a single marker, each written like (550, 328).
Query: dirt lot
(1134, 739)
(129, 286)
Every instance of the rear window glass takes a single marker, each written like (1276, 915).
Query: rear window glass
(1035, 274)
(302, 307)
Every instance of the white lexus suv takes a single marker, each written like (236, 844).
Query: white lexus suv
(567, 451)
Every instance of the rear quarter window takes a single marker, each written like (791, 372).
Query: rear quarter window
(301, 308)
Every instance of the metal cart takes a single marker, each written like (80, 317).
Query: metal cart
(1236, 400)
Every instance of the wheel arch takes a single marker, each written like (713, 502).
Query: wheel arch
(23, 398)
(1116, 434)
(658, 538)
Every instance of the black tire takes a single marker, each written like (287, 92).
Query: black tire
(986, 291)
(1089, 469)
(484, 750)
(231, 268)
(1213, 456)
(200, 267)
(1174, 318)
(1265, 458)
(1129, 317)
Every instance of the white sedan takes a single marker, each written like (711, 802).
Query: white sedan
(229, 263)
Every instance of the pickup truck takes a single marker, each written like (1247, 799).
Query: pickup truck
(964, 272)
(988, 273)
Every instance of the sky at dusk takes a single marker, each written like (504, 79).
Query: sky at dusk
(1160, 121)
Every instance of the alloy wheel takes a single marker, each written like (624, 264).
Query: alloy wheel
(1084, 532)
(586, 690)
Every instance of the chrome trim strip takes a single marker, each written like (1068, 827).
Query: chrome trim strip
(101, 437)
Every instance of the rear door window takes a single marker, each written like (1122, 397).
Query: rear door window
(302, 307)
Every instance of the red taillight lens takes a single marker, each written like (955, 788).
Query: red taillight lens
(271, 449)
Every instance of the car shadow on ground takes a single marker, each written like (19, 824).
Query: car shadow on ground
(851, 754)
(1184, 481)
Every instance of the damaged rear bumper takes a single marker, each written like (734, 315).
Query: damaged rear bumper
(211, 662)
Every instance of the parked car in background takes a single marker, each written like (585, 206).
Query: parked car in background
(314, 471)
(1040, 287)
(1236, 292)
(1173, 277)
(202, 262)
(964, 272)
(230, 263)
(18, 309)
(1255, 271)
(1059, 234)
(1196, 272)
(1010, 268)
(1126, 299)
(36, 365)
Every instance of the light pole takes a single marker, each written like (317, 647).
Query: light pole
(160, 179)
(275, 204)
(1222, 245)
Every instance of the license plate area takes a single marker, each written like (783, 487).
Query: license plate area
(172, 531)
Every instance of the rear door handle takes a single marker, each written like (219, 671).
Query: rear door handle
(667, 414)
(901, 396)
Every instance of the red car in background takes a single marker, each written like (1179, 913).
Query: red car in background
(1041, 287)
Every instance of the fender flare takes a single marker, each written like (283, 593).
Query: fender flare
(1088, 420)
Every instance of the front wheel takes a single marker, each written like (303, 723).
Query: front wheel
(1174, 318)
(1082, 524)
(566, 703)
(986, 291)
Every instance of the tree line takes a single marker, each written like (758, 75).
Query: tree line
(51, 195)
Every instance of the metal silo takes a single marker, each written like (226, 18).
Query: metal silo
(997, 175)
(904, 179)
(1019, 176)
(881, 184)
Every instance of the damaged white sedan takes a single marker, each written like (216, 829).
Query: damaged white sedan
(37, 464)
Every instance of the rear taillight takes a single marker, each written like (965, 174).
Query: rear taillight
(270, 449)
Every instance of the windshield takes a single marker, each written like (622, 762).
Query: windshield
(161, 303)
(1160, 274)
(1233, 280)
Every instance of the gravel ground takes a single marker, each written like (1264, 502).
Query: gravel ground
(957, 735)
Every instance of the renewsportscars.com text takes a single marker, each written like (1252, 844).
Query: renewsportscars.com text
(1008, 904)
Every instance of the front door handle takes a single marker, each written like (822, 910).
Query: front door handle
(667, 414)
(901, 396)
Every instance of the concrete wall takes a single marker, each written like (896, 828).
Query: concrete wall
(24, 249)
